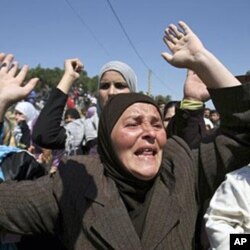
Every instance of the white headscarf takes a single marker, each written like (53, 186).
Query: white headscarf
(28, 110)
(126, 71)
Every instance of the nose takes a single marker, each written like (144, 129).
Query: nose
(112, 90)
(149, 133)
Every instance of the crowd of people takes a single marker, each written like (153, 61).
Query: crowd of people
(125, 174)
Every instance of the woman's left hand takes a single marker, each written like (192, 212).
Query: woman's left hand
(184, 45)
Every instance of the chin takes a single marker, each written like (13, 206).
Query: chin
(144, 176)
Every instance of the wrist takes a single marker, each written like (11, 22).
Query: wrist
(3, 109)
(191, 104)
(66, 82)
(201, 59)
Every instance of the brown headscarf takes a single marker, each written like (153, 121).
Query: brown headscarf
(135, 193)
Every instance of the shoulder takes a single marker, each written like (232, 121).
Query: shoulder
(78, 123)
(77, 174)
(239, 177)
(177, 147)
(90, 162)
(81, 167)
(180, 157)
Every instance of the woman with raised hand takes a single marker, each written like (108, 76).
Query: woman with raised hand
(143, 192)
(115, 77)
(11, 83)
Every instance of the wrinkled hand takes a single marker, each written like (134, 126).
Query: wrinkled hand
(194, 88)
(11, 82)
(184, 45)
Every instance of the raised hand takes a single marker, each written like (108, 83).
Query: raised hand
(72, 69)
(12, 87)
(194, 88)
(184, 45)
(187, 51)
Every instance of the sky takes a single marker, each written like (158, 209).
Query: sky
(47, 32)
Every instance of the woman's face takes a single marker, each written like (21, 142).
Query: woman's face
(19, 116)
(111, 83)
(68, 119)
(139, 137)
(169, 114)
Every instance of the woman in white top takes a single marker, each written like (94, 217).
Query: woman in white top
(229, 210)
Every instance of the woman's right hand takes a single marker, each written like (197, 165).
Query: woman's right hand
(72, 69)
(12, 88)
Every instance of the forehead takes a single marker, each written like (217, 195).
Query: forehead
(17, 112)
(110, 75)
(141, 109)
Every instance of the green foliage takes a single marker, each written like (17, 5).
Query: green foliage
(51, 77)
(162, 99)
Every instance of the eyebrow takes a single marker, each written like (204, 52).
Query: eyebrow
(110, 82)
(139, 116)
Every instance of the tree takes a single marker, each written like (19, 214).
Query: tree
(51, 77)
(162, 99)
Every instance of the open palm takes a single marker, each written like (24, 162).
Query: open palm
(183, 44)
(12, 88)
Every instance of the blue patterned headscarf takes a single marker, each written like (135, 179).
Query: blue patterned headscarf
(4, 151)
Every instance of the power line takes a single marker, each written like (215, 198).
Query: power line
(88, 28)
(127, 36)
(133, 46)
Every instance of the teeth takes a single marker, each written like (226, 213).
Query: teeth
(145, 151)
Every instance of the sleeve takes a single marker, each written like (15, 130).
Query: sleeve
(47, 131)
(21, 166)
(189, 125)
(25, 139)
(228, 212)
(233, 105)
(230, 148)
(36, 209)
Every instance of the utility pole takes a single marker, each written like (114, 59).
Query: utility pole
(149, 82)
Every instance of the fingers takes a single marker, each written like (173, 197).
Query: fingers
(13, 69)
(168, 41)
(173, 34)
(185, 27)
(30, 86)
(1, 56)
(73, 64)
(6, 63)
(77, 66)
(167, 56)
(22, 74)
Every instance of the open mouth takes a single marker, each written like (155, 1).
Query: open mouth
(147, 151)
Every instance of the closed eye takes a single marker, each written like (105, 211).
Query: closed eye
(131, 125)
(158, 125)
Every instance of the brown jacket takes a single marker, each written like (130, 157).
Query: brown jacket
(83, 207)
